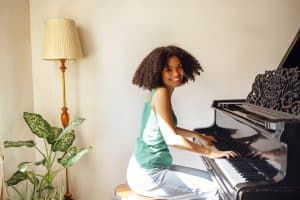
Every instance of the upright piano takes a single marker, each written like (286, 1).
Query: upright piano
(264, 129)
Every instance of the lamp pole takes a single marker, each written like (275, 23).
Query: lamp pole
(64, 115)
(65, 120)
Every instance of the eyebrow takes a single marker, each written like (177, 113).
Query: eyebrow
(176, 65)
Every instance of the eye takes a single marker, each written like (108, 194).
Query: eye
(167, 69)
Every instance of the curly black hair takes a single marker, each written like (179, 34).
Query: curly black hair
(149, 73)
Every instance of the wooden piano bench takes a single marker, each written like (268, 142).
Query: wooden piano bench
(123, 192)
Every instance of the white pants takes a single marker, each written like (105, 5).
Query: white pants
(178, 182)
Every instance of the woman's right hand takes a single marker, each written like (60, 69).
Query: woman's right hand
(222, 154)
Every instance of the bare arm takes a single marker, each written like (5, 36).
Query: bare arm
(176, 137)
(185, 133)
(204, 139)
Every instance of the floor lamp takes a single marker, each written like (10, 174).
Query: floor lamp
(61, 42)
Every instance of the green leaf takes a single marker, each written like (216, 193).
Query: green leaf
(24, 166)
(32, 178)
(54, 134)
(64, 143)
(16, 178)
(28, 143)
(67, 156)
(78, 156)
(71, 127)
(73, 158)
(37, 124)
(41, 162)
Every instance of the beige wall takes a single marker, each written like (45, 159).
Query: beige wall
(15, 79)
(233, 39)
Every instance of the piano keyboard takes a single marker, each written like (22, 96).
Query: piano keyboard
(246, 170)
(230, 172)
(243, 169)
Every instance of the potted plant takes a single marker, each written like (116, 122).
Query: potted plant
(56, 148)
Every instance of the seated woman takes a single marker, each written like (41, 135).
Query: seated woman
(150, 171)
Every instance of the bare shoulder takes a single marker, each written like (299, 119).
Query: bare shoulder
(161, 95)
(161, 92)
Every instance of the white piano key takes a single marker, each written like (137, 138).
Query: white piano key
(230, 172)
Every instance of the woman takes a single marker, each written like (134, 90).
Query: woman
(150, 171)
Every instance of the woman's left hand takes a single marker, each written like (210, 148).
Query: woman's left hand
(206, 140)
(209, 139)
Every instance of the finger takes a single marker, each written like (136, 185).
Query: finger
(236, 153)
(225, 155)
(211, 139)
(233, 154)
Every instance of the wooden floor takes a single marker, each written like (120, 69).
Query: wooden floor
(123, 192)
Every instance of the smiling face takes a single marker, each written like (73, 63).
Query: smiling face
(172, 74)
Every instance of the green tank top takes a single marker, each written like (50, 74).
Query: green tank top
(151, 150)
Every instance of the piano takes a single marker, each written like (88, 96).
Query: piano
(265, 129)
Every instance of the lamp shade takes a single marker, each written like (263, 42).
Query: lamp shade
(61, 40)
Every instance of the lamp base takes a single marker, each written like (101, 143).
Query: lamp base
(68, 196)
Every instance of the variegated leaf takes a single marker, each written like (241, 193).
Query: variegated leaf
(16, 178)
(75, 158)
(64, 143)
(32, 178)
(24, 166)
(41, 162)
(71, 127)
(37, 124)
(28, 143)
(67, 155)
(53, 134)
